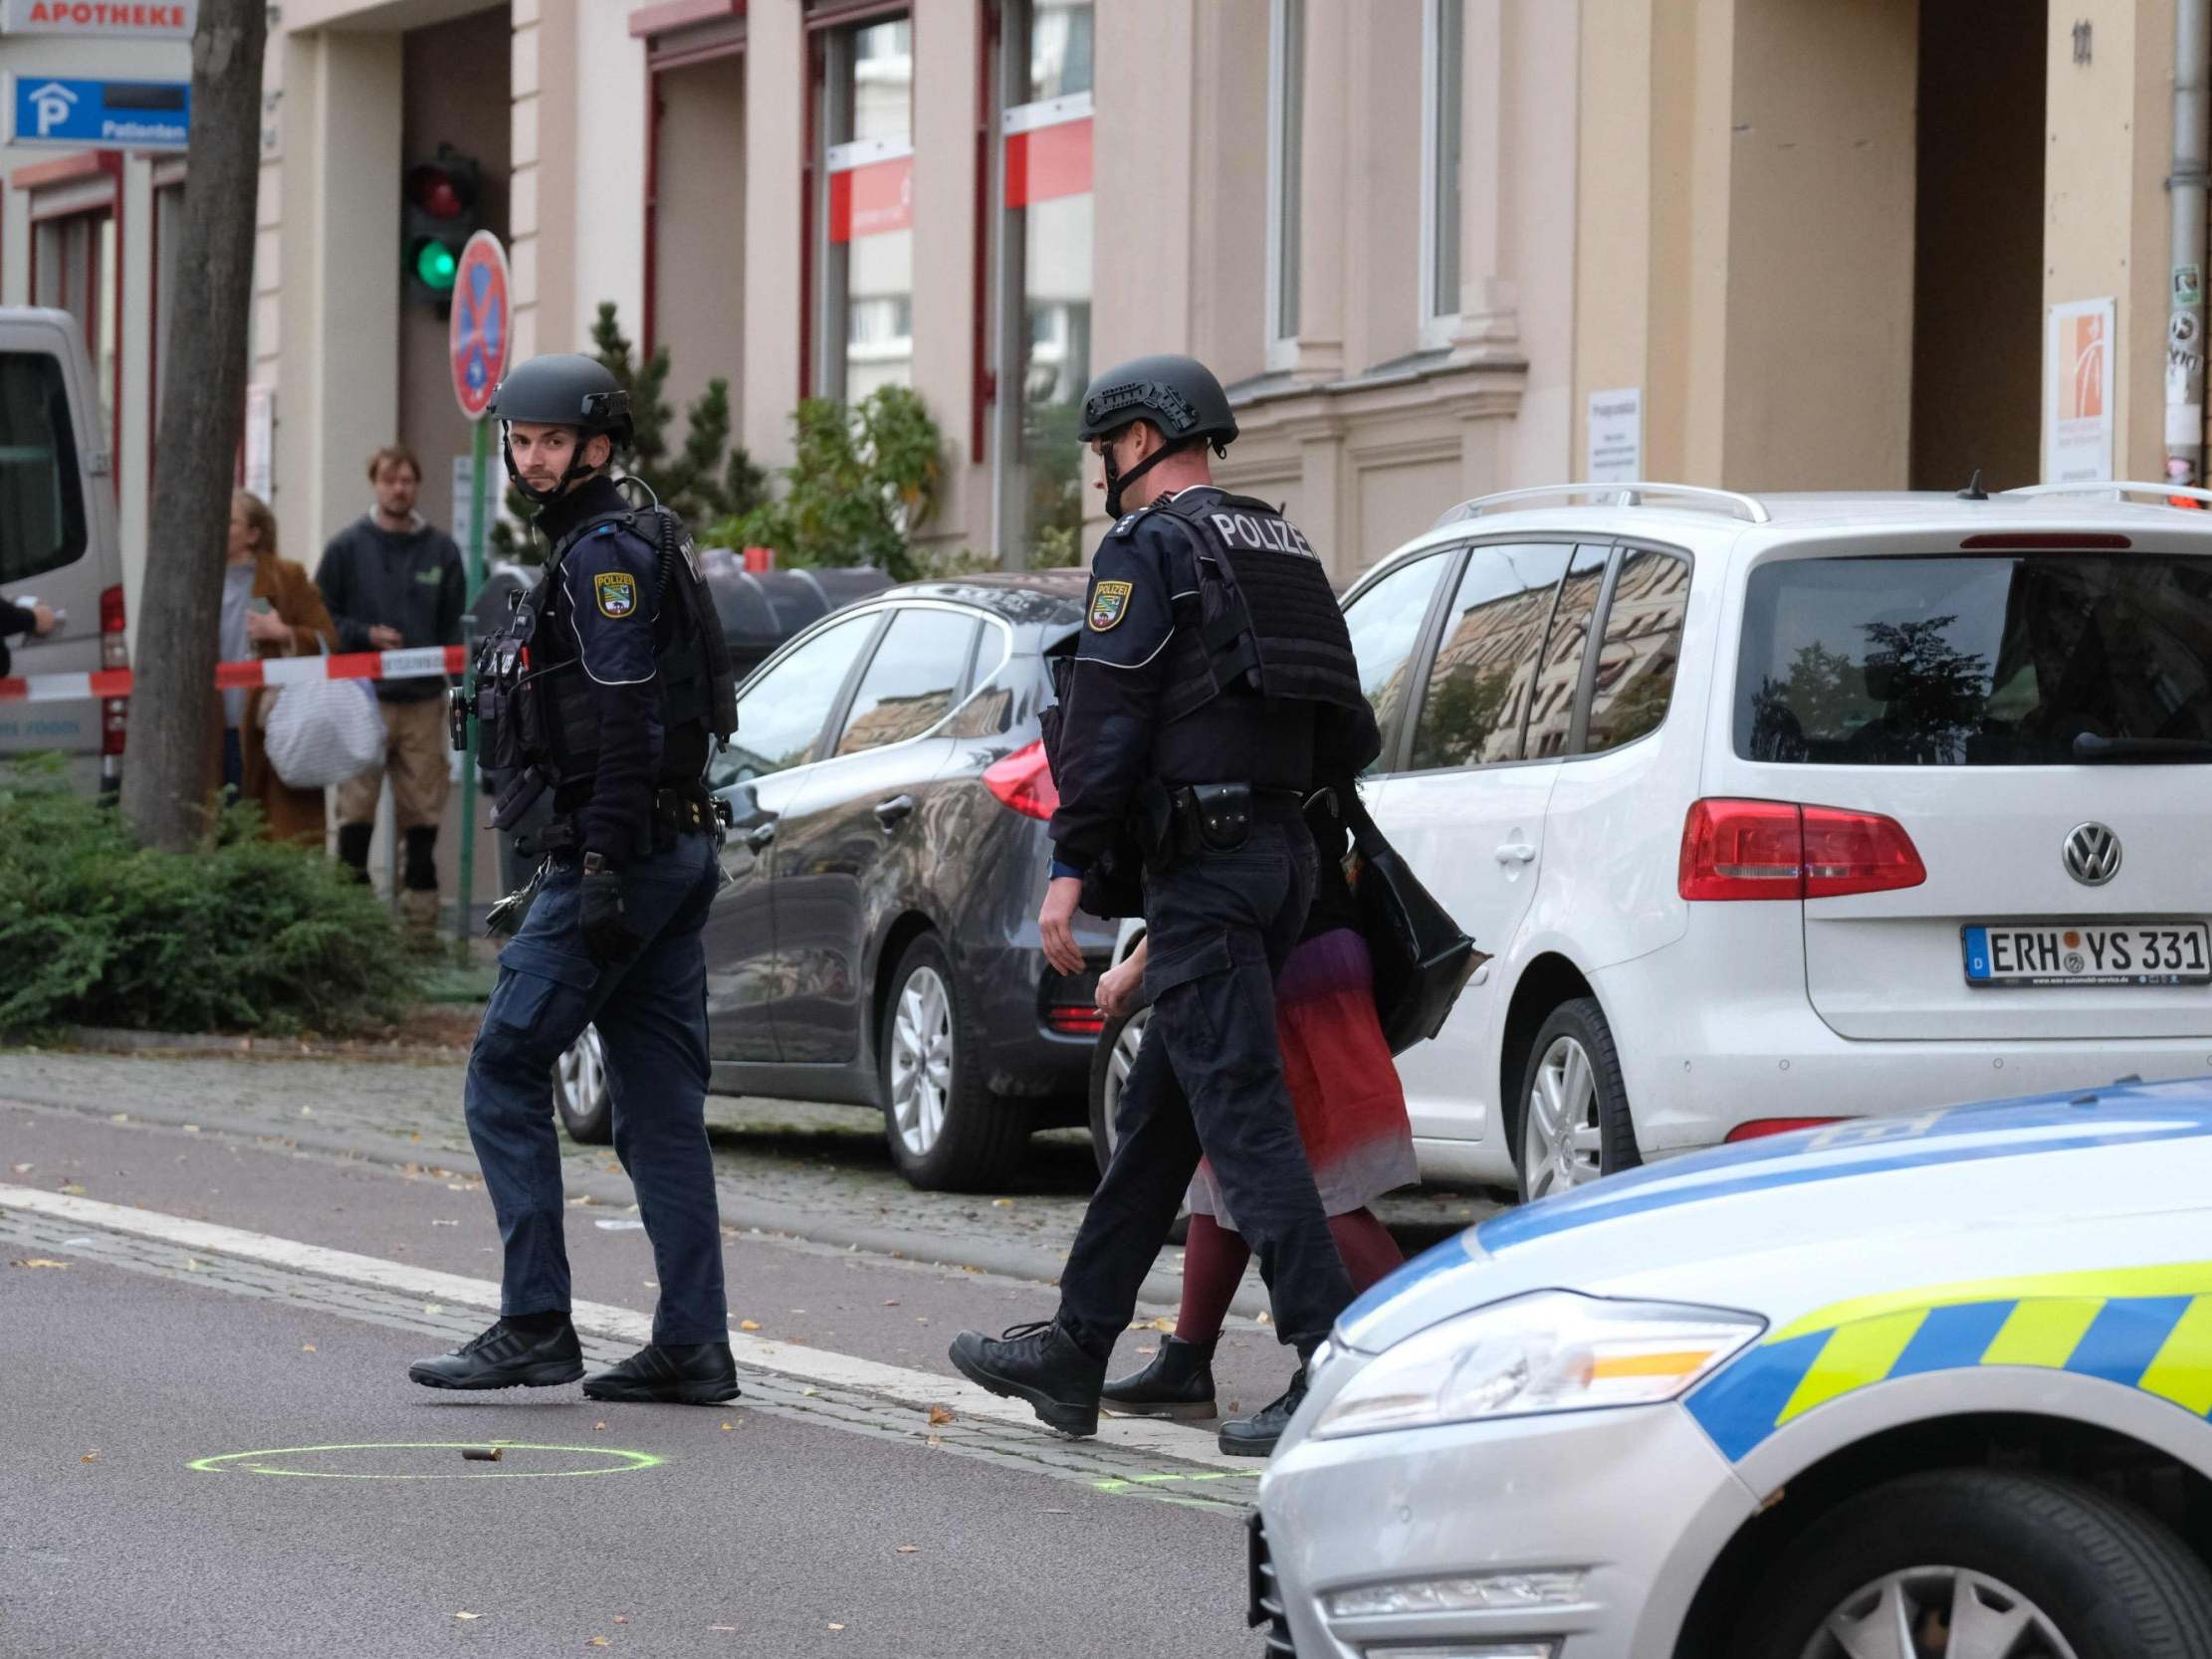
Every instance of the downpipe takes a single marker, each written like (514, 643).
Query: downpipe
(2185, 195)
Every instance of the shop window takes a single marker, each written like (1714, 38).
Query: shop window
(1444, 44)
(1044, 275)
(1286, 95)
(865, 304)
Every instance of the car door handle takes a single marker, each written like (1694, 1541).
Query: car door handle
(759, 835)
(892, 813)
(1516, 852)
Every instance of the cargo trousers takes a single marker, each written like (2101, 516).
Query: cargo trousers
(651, 1014)
(1208, 1079)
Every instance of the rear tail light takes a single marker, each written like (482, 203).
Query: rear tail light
(1023, 782)
(1778, 850)
(1759, 1128)
(115, 653)
(1075, 1022)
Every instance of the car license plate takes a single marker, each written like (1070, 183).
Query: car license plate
(2137, 954)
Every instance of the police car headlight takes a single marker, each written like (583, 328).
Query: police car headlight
(1550, 1351)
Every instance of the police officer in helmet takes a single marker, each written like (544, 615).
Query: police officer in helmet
(1213, 690)
(609, 689)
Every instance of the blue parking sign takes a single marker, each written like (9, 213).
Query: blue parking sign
(76, 114)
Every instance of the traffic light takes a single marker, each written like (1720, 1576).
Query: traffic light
(440, 216)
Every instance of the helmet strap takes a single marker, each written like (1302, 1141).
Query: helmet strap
(1117, 481)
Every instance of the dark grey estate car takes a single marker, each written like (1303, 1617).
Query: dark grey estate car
(876, 942)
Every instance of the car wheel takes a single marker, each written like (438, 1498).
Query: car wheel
(1572, 1108)
(947, 1131)
(1983, 1564)
(1110, 1062)
(581, 1092)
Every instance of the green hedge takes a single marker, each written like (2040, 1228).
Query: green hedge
(241, 935)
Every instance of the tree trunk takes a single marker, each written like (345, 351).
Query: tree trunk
(203, 390)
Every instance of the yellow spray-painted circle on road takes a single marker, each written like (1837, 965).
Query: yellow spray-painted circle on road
(619, 1462)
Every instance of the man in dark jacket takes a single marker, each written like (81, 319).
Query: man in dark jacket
(392, 581)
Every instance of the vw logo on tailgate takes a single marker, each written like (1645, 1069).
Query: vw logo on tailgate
(2092, 854)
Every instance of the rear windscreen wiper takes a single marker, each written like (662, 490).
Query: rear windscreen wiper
(2088, 746)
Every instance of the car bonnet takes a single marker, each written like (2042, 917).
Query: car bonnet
(1792, 1227)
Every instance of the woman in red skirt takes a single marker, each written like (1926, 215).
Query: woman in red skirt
(1351, 1111)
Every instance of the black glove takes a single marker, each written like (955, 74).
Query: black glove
(607, 934)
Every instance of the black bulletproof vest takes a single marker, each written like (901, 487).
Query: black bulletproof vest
(1269, 621)
(535, 700)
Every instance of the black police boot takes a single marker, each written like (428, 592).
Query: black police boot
(1040, 1364)
(506, 1356)
(1255, 1436)
(699, 1374)
(1177, 1383)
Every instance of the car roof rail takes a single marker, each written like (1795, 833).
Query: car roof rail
(1631, 493)
(2120, 487)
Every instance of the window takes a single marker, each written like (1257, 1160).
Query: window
(913, 680)
(42, 497)
(1286, 95)
(72, 267)
(1639, 650)
(1385, 624)
(1443, 44)
(780, 715)
(1559, 676)
(866, 148)
(1044, 277)
(1478, 691)
(1958, 661)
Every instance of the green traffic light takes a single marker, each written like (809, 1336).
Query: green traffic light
(435, 266)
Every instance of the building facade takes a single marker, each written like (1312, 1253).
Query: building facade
(1434, 247)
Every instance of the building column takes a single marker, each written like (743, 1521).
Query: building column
(775, 140)
(542, 220)
(1490, 302)
(338, 248)
(948, 41)
(1325, 184)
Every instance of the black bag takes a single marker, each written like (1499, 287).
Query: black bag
(1423, 961)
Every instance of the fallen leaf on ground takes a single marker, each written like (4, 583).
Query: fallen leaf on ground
(890, 1302)
(729, 1629)
(23, 1168)
(37, 1260)
(939, 1415)
(433, 1308)
(596, 1641)
(619, 1619)
(306, 1112)
(907, 1550)
(1266, 1318)
(445, 1223)
(836, 1627)
(307, 1348)
(119, 1117)
(1001, 1203)
(72, 1190)
(749, 1325)
(809, 1393)
(598, 1425)
(1167, 1325)
(92, 1456)
(935, 1441)
(1148, 1352)
(191, 1128)
(728, 1426)
(468, 1615)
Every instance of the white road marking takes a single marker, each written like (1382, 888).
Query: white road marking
(599, 1319)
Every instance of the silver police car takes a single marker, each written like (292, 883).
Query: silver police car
(1888, 1390)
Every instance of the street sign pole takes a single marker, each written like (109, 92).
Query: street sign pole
(478, 335)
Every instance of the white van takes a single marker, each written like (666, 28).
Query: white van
(58, 541)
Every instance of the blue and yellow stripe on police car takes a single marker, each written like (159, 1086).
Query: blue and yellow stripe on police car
(2147, 1328)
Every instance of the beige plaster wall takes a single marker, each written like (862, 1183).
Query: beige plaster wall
(340, 252)
(775, 154)
(699, 266)
(1819, 272)
(947, 47)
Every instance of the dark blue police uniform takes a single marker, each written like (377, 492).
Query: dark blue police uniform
(1146, 711)
(603, 628)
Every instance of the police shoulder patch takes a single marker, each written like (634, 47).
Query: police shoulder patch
(1109, 604)
(616, 591)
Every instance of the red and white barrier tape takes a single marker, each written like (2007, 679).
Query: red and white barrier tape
(270, 671)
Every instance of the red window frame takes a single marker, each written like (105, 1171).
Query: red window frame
(52, 178)
(822, 16)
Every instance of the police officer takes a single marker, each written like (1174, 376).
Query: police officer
(1213, 690)
(609, 688)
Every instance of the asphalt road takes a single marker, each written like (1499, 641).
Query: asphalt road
(839, 1513)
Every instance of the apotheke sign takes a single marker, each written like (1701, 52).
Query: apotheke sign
(147, 20)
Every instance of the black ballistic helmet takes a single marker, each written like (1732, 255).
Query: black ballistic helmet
(1179, 395)
(565, 389)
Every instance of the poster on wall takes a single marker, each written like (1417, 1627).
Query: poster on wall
(2078, 392)
(1617, 435)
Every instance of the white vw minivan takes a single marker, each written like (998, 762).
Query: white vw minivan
(58, 540)
(1775, 810)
